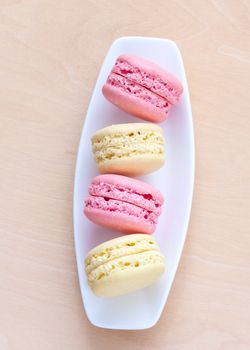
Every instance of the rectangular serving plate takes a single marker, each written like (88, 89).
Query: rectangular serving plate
(142, 309)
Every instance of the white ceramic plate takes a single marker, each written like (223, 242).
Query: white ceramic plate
(141, 309)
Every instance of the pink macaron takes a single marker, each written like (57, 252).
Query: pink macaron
(142, 88)
(123, 203)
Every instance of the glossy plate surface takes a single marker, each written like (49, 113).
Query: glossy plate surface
(142, 309)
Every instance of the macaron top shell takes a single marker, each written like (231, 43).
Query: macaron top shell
(129, 186)
(150, 75)
(125, 245)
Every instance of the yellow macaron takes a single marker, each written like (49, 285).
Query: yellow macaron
(129, 149)
(124, 264)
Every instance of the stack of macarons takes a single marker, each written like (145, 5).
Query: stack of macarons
(118, 201)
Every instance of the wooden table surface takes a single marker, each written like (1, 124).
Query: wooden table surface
(50, 55)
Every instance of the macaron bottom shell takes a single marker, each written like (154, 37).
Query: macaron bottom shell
(134, 165)
(136, 104)
(127, 281)
(120, 221)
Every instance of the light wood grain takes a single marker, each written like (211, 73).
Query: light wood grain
(50, 55)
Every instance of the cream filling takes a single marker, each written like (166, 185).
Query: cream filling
(125, 139)
(128, 151)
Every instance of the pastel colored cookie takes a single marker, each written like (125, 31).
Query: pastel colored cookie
(124, 265)
(142, 88)
(129, 149)
(123, 204)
